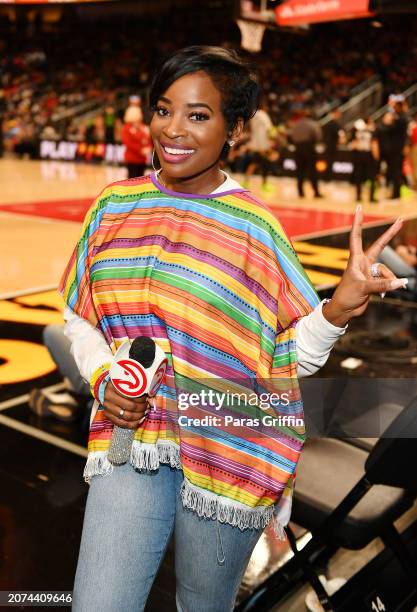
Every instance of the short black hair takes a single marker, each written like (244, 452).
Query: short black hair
(235, 79)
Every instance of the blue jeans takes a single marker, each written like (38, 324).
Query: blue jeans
(129, 519)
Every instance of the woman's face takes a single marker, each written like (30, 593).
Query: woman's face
(189, 130)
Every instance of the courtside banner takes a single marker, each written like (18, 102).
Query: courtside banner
(296, 12)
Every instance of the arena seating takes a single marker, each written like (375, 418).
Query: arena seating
(48, 79)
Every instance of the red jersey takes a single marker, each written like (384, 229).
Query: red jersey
(137, 141)
(413, 134)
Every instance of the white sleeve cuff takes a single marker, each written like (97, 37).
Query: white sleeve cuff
(315, 339)
(88, 345)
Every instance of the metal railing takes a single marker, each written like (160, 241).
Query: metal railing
(88, 110)
(410, 96)
(361, 104)
(73, 111)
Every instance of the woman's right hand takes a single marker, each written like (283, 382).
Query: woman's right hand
(135, 409)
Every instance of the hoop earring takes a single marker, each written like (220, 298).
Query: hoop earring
(230, 143)
(153, 161)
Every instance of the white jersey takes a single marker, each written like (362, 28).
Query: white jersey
(362, 140)
(260, 125)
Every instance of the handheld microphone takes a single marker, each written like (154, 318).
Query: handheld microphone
(137, 369)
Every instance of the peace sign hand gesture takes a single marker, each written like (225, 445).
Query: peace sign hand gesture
(357, 284)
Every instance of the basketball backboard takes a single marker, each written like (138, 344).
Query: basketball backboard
(260, 11)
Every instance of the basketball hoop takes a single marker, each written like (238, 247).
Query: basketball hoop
(252, 34)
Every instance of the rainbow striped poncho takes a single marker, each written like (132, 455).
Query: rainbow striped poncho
(215, 281)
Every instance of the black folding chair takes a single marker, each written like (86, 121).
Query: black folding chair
(346, 497)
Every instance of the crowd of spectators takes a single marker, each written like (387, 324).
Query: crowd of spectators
(73, 80)
(319, 70)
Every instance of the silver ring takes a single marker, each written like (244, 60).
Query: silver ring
(121, 413)
(375, 270)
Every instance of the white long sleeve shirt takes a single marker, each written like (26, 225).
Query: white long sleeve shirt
(314, 341)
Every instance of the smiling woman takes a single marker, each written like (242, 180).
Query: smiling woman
(191, 259)
(200, 103)
(189, 136)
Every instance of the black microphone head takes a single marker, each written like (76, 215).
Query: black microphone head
(142, 350)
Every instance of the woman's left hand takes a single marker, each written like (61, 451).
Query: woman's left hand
(351, 296)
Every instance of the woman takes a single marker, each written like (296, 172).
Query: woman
(190, 258)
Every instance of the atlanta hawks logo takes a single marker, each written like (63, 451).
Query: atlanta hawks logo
(158, 377)
(134, 380)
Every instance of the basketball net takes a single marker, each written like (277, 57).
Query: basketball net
(252, 34)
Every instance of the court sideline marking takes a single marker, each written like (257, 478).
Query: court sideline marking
(30, 291)
(47, 220)
(71, 447)
(21, 399)
(34, 432)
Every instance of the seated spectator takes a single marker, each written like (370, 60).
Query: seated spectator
(402, 260)
(66, 406)
(408, 254)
